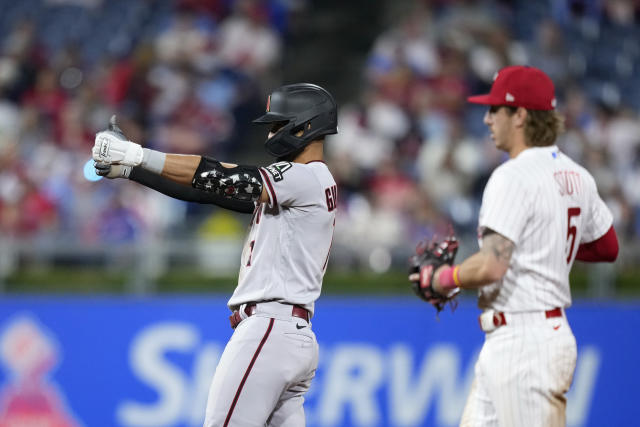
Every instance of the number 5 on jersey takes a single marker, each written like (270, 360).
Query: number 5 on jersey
(572, 231)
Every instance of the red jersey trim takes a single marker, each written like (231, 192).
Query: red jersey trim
(326, 261)
(315, 161)
(272, 194)
(603, 249)
(246, 374)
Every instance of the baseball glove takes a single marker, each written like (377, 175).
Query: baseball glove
(422, 266)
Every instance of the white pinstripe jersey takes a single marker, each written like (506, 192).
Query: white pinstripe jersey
(547, 205)
(287, 249)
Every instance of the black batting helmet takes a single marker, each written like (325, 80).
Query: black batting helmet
(300, 106)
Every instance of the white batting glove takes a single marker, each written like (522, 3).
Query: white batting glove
(112, 147)
(112, 171)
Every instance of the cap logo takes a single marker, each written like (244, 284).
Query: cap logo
(268, 103)
(553, 103)
(509, 98)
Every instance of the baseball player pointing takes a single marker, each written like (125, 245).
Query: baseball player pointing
(271, 358)
(540, 212)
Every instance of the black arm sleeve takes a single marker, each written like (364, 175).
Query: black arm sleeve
(239, 182)
(187, 193)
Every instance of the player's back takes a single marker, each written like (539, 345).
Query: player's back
(554, 201)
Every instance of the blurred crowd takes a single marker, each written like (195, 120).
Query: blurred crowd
(179, 74)
(413, 156)
(187, 76)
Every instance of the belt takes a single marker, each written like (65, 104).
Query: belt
(490, 320)
(250, 310)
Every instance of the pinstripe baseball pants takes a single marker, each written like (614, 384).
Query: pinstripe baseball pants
(522, 374)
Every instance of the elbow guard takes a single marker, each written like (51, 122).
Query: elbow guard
(240, 183)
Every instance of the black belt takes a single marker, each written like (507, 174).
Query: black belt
(250, 310)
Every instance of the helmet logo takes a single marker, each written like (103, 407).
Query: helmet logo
(268, 103)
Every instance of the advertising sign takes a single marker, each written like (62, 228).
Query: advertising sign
(142, 362)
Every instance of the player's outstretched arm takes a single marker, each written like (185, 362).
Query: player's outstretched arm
(223, 180)
(226, 180)
(180, 168)
(171, 188)
(187, 193)
(238, 182)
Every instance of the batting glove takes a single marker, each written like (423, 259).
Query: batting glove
(112, 147)
(112, 171)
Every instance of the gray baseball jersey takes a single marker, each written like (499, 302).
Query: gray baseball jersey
(547, 205)
(271, 359)
(287, 249)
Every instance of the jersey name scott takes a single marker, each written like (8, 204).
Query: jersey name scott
(569, 182)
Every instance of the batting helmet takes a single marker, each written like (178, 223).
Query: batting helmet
(300, 106)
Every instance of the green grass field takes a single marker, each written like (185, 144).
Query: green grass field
(92, 281)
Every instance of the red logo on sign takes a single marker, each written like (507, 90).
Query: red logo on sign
(29, 398)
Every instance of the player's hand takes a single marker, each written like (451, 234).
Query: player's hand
(435, 283)
(428, 276)
(112, 171)
(425, 266)
(112, 147)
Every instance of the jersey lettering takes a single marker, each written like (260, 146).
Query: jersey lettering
(568, 182)
(331, 194)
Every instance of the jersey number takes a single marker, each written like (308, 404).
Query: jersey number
(572, 232)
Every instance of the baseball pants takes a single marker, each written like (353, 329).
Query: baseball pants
(264, 371)
(522, 374)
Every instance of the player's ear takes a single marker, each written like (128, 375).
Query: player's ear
(520, 116)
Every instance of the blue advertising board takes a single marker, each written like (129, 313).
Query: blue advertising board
(136, 362)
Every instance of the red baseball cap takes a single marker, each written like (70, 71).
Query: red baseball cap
(520, 86)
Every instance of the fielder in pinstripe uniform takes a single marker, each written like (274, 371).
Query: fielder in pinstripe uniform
(540, 212)
(269, 362)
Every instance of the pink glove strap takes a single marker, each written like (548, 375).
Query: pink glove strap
(448, 278)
